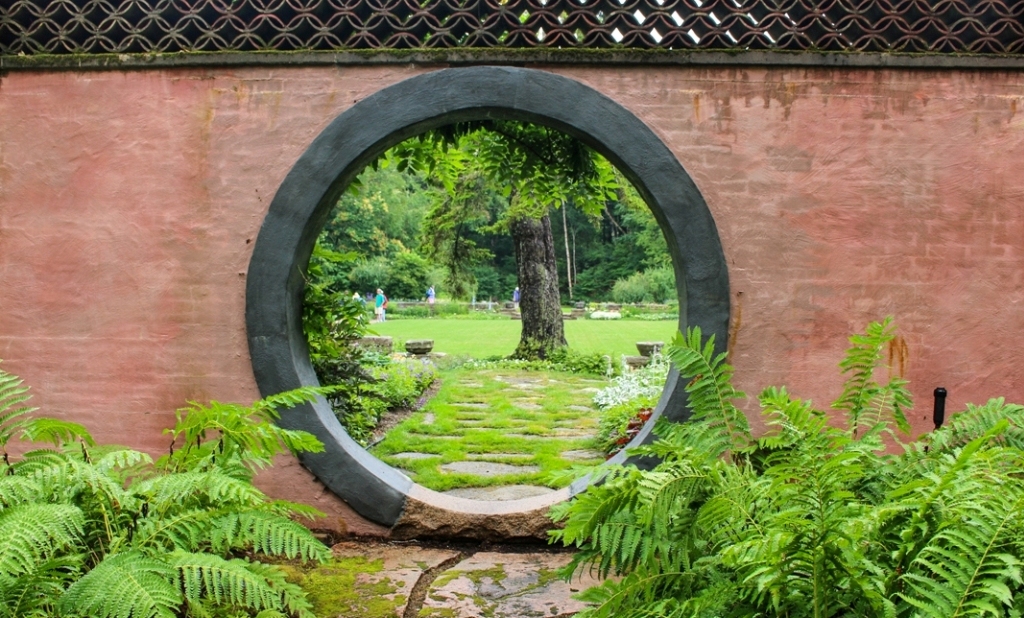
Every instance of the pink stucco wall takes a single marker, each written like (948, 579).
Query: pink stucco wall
(129, 202)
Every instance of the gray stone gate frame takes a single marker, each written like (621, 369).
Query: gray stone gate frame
(303, 203)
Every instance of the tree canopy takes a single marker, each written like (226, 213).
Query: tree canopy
(468, 208)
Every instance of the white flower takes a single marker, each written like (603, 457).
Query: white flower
(647, 381)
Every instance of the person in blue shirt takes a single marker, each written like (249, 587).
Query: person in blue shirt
(430, 298)
(380, 305)
(515, 297)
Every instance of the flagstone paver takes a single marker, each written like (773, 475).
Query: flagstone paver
(582, 455)
(411, 455)
(499, 456)
(504, 585)
(487, 468)
(528, 405)
(514, 417)
(369, 580)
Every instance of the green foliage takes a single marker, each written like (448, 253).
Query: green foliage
(440, 309)
(810, 519)
(652, 286)
(402, 275)
(104, 531)
(614, 425)
(574, 361)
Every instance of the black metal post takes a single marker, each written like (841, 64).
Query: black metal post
(939, 414)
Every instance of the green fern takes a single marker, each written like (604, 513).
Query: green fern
(866, 402)
(710, 388)
(100, 531)
(129, 585)
(809, 520)
(34, 533)
(13, 396)
(247, 434)
(976, 421)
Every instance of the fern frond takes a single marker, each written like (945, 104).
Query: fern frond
(187, 530)
(966, 569)
(128, 585)
(12, 396)
(122, 459)
(865, 401)
(33, 533)
(216, 431)
(64, 478)
(975, 421)
(269, 406)
(16, 490)
(293, 597)
(183, 490)
(294, 509)
(267, 533)
(56, 432)
(710, 387)
(35, 592)
(224, 582)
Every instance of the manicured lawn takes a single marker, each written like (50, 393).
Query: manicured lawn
(484, 338)
(531, 423)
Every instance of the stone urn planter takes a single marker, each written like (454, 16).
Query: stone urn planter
(419, 347)
(381, 345)
(649, 348)
(636, 362)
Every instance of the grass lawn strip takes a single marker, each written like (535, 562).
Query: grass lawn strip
(479, 416)
(485, 338)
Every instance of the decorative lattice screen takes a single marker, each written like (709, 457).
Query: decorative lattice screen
(123, 26)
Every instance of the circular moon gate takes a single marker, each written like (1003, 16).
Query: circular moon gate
(355, 138)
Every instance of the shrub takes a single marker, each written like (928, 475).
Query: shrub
(446, 309)
(104, 531)
(581, 362)
(368, 275)
(652, 286)
(810, 519)
(400, 383)
(559, 359)
(404, 275)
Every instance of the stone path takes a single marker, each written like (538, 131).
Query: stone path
(489, 439)
(381, 580)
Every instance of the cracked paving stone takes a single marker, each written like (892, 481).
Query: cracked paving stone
(506, 586)
(471, 404)
(382, 590)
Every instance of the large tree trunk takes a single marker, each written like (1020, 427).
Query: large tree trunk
(539, 302)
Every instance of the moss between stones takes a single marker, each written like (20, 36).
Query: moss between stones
(334, 589)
